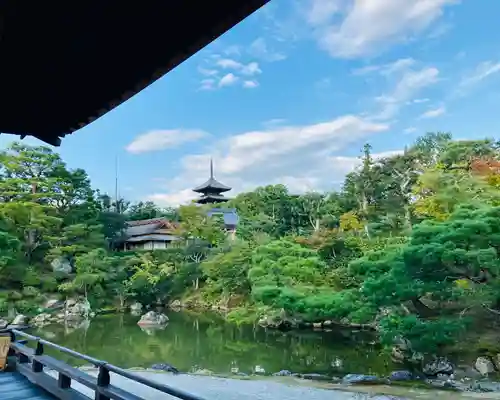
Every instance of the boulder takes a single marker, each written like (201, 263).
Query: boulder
(77, 309)
(20, 320)
(438, 366)
(360, 379)
(165, 367)
(281, 321)
(283, 372)
(3, 323)
(53, 303)
(175, 304)
(152, 318)
(42, 319)
(397, 376)
(61, 265)
(316, 377)
(403, 353)
(496, 361)
(484, 366)
(136, 308)
(259, 370)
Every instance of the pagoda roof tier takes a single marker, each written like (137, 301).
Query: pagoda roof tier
(212, 185)
(212, 198)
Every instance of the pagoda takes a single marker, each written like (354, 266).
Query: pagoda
(211, 190)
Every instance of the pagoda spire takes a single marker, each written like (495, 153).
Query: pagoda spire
(212, 189)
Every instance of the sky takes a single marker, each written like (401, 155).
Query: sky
(291, 94)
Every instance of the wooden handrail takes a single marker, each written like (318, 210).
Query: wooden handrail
(30, 362)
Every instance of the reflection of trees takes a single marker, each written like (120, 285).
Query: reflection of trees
(217, 346)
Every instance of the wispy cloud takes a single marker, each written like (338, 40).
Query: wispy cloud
(350, 29)
(409, 130)
(480, 73)
(163, 139)
(407, 83)
(277, 154)
(251, 84)
(260, 50)
(433, 113)
(228, 80)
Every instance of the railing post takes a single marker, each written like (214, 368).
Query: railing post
(103, 380)
(21, 358)
(64, 381)
(37, 366)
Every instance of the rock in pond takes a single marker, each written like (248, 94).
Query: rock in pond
(484, 366)
(360, 379)
(42, 319)
(20, 320)
(398, 376)
(283, 372)
(3, 323)
(53, 304)
(438, 366)
(165, 367)
(152, 318)
(315, 377)
(176, 304)
(77, 309)
(136, 308)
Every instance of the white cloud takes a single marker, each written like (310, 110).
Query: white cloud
(408, 85)
(250, 84)
(481, 72)
(248, 69)
(301, 156)
(409, 130)
(260, 50)
(216, 75)
(228, 80)
(436, 112)
(356, 28)
(274, 122)
(163, 139)
(228, 63)
(386, 69)
(207, 84)
(233, 50)
(207, 72)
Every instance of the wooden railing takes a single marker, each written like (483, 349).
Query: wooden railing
(31, 362)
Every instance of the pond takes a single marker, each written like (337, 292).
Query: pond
(192, 342)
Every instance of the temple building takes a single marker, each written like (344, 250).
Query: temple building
(211, 191)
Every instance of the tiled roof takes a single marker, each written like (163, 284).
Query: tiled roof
(155, 237)
(213, 184)
(147, 226)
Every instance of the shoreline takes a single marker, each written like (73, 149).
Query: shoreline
(401, 391)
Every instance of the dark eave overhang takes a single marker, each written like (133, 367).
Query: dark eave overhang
(65, 64)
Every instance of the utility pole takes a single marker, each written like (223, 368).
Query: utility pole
(117, 205)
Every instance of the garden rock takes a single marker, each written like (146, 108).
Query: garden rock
(152, 318)
(438, 366)
(20, 320)
(484, 366)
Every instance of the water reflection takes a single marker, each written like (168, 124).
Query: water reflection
(207, 342)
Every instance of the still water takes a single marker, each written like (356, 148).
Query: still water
(193, 342)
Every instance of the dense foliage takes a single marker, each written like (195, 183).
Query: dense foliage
(409, 245)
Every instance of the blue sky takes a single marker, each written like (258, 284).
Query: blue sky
(291, 94)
